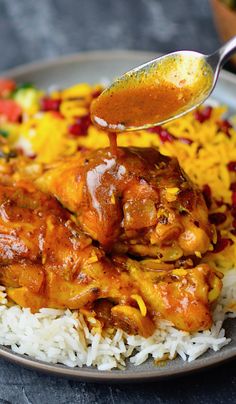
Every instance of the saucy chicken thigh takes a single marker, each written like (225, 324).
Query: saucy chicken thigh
(138, 202)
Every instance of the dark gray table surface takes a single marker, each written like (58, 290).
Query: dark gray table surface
(32, 30)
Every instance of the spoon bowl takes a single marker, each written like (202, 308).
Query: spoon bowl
(160, 90)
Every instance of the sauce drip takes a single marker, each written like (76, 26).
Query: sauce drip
(151, 96)
(113, 143)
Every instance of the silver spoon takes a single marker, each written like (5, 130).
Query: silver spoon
(180, 71)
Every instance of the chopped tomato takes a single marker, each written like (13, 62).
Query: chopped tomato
(10, 110)
(6, 87)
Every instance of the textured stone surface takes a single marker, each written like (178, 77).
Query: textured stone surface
(21, 386)
(31, 30)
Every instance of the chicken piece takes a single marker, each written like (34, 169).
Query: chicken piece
(182, 296)
(138, 202)
(45, 259)
(131, 321)
(100, 280)
(33, 225)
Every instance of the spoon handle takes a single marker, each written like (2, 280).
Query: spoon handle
(217, 59)
(227, 50)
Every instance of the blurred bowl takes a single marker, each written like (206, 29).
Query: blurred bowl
(225, 20)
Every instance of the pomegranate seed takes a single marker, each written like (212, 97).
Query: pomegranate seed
(198, 116)
(185, 140)
(224, 126)
(206, 190)
(221, 243)
(82, 148)
(231, 166)
(80, 127)
(155, 129)
(96, 93)
(76, 129)
(233, 231)
(163, 133)
(233, 186)
(85, 122)
(233, 211)
(234, 199)
(20, 119)
(217, 218)
(219, 203)
(234, 223)
(202, 115)
(206, 112)
(165, 136)
(49, 104)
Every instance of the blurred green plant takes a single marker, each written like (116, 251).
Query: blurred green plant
(230, 3)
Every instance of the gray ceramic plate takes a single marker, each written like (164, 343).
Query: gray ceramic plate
(94, 67)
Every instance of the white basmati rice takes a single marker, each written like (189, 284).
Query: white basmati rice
(59, 336)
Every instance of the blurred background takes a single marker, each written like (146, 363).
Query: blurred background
(33, 30)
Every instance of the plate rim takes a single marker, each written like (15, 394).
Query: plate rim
(92, 55)
(93, 374)
(77, 57)
(113, 376)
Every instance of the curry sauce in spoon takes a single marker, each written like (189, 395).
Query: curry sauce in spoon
(153, 93)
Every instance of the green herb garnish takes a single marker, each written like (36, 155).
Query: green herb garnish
(4, 133)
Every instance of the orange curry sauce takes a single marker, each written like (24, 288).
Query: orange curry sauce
(140, 99)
